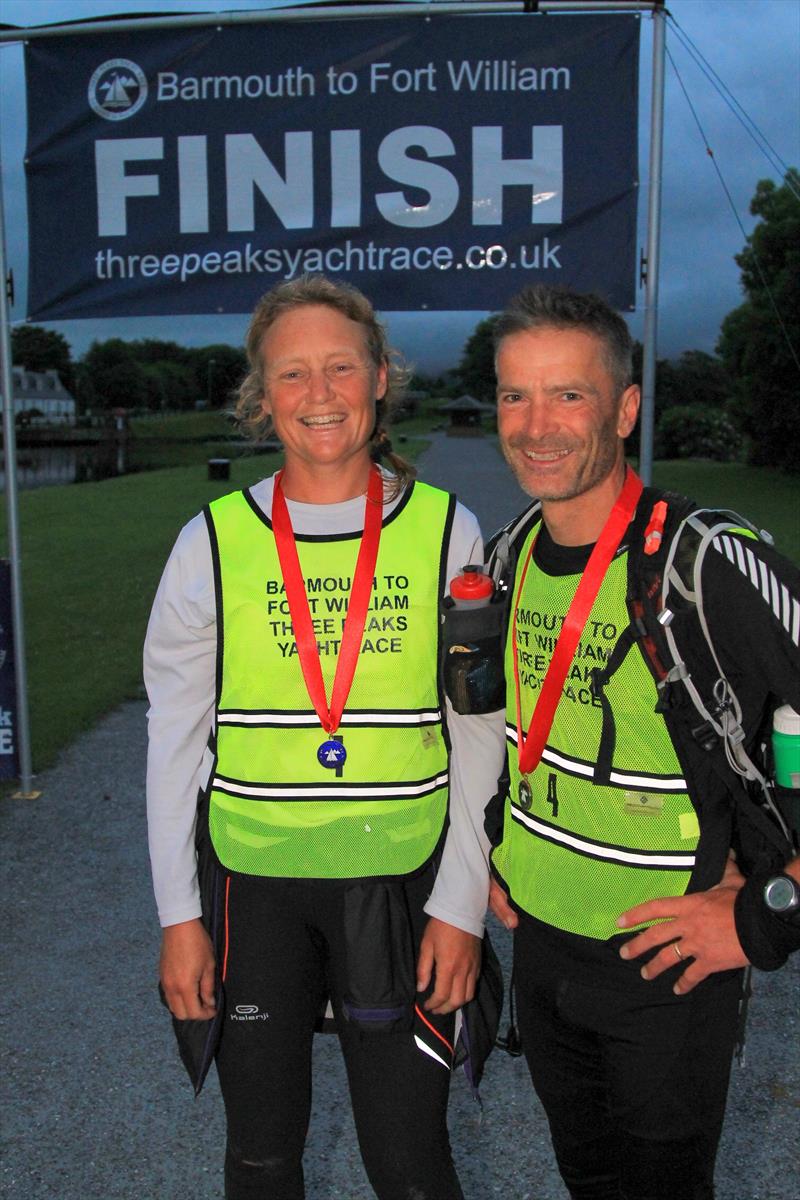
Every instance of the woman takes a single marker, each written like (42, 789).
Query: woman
(291, 665)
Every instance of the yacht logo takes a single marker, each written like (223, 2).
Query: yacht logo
(118, 89)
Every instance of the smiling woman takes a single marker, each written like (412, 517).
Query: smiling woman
(322, 377)
(333, 853)
(321, 391)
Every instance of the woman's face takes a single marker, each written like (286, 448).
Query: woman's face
(320, 386)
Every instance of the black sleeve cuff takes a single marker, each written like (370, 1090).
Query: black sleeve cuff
(766, 939)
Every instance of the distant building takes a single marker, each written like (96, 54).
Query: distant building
(408, 405)
(42, 395)
(465, 414)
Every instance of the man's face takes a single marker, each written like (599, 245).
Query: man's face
(561, 417)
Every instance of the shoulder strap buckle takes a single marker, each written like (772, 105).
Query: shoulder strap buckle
(676, 674)
(705, 735)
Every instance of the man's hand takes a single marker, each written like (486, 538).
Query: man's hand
(699, 927)
(453, 957)
(187, 970)
(498, 903)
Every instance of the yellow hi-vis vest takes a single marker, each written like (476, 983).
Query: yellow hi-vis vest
(274, 810)
(575, 854)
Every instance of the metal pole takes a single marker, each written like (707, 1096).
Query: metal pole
(647, 425)
(12, 520)
(311, 12)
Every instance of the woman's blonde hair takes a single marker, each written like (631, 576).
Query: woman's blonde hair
(302, 292)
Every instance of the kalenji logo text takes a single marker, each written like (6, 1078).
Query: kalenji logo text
(248, 1012)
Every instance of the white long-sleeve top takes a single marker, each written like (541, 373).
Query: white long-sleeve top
(180, 675)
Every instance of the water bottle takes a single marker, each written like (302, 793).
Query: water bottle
(473, 588)
(473, 660)
(786, 758)
(786, 747)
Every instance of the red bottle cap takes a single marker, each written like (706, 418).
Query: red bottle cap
(471, 584)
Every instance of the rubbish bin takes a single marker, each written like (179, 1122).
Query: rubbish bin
(219, 468)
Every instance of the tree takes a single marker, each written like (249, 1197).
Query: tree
(760, 349)
(111, 353)
(121, 385)
(697, 431)
(39, 349)
(170, 385)
(693, 378)
(696, 378)
(153, 350)
(218, 370)
(476, 369)
(111, 376)
(160, 375)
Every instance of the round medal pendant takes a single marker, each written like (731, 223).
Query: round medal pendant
(525, 794)
(331, 754)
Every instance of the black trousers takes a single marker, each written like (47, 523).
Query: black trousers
(632, 1077)
(285, 954)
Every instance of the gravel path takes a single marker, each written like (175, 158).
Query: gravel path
(94, 1101)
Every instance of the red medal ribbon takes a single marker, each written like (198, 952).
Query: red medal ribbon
(357, 607)
(530, 746)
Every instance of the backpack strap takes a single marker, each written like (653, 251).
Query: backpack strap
(722, 712)
(645, 537)
(502, 553)
(669, 582)
(502, 549)
(599, 677)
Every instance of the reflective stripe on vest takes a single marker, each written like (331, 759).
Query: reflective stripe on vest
(274, 810)
(576, 854)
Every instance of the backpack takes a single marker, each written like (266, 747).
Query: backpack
(667, 544)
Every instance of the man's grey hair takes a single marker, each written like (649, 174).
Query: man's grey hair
(543, 306)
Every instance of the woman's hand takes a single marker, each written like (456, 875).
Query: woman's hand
(498, 903)
(187, 970)
(453, 958)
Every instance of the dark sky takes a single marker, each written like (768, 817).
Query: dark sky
(752, 45)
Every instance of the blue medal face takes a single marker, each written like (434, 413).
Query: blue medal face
(331, 754)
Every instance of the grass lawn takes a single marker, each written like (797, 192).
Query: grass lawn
(210, 423)
(93, 554)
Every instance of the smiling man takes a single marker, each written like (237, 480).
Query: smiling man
(609, 815)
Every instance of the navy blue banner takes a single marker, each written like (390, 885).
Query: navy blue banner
(439, 162)
(9, 754)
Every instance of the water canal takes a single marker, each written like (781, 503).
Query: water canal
(46, 466)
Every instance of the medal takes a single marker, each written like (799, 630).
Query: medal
(331, 753)
(525, 794)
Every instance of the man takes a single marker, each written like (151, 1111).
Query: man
(628, 1038)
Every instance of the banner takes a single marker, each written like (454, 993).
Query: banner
(436, 162)
(9, 755)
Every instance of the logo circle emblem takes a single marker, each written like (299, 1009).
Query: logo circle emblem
(117, 89)
(331, 754)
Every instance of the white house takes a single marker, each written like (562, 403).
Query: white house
(42, 394)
